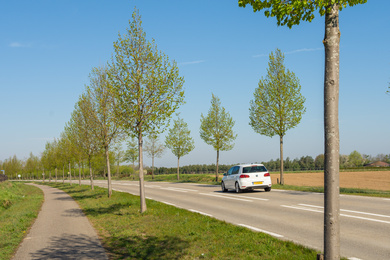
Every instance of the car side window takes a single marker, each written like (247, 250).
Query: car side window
(230, 171)
(236, 169)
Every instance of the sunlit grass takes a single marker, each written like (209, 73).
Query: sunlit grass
(166, 232)
(19, 207)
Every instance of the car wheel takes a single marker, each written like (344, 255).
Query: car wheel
(268, 189)
(223, 187)
(238, 190)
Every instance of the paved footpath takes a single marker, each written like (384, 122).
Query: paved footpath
(61, 231)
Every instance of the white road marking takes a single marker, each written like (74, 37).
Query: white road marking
(301, 208)
(152, 186)
(260, 230)
(351, 211)
(192, 210)
(170, 189)
(353, 258)
(343, 215)
(118, 190)
(246, 197)
(171, 204)
(225, 197)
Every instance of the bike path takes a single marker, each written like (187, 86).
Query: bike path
(61, 231)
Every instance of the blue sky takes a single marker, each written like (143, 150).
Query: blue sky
(48, 48)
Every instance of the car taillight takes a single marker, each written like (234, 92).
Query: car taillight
(267, 174)
(244, 176)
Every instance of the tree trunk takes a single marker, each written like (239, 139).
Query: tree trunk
(43, 176)
(216, 173)
(331, 127)
(79, 175)
(70, 175)
(117, 169)
(153, 167)
(82, 167)
(63, 173)
(141, 174)
(108, 171)
(90, 174)
(56, 174)
(281, 161)
(49, 176)
(178, 160)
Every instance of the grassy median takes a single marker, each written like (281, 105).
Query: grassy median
(19, 207)
(166, 232)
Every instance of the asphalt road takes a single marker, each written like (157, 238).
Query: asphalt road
(288, 215)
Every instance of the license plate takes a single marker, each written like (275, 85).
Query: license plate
(258, 183)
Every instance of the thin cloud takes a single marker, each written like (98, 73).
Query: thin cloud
(259, 55)
(305, 50)
(192, 62)
(18, 45)
(292, 52)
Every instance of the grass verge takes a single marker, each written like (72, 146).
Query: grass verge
(166, 232)
(19, 207)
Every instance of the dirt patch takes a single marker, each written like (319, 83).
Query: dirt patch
(374, 180)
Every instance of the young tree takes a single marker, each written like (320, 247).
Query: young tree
(179, 140)
(216, 129)
(278, 103)
(107, 130)
(154, 148)
(83, 125)
(147, 87)
(291, 13)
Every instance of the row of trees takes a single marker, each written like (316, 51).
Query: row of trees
(33, 167)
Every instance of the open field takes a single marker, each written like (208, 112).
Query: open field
(374, 180)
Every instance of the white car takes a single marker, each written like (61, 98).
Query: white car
(246, 177)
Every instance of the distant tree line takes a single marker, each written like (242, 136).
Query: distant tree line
(33, 167)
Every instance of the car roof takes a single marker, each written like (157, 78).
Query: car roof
(250, 164)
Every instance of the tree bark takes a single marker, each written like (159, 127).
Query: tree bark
(108, 171)
(332, 141)
(153, 167)
(56, 174)
(90, 174)
(281, 161)
(70, 175)
(79, 175)
(141, 174)
(178, 165)
(216, 174)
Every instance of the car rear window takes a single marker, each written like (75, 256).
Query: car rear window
(255, 168)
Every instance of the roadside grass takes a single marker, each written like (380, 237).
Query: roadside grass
(19, 207)
(167, 232)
